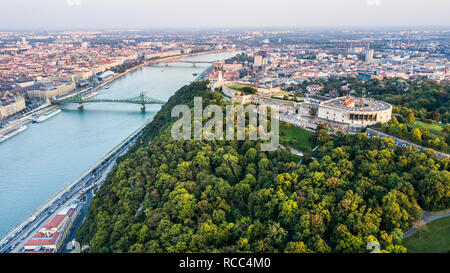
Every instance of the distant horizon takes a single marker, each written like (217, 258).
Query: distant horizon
(200, 14)
(249, 28)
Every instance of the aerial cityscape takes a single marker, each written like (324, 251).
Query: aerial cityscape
(96, 155)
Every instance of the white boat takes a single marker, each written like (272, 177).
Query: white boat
(90, 95)
(48, 115)
(12, 133)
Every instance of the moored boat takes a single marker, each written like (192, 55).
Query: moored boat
(48, 115)
(12, 133)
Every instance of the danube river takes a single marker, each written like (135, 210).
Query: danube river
(37, 163)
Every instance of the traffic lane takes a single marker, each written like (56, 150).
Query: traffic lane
(45, 215)
(18, 243)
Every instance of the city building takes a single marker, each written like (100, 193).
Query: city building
(346, 112)
(258, 60)
(369, 56)
(314, 88)
(52, 235)
(51, 90)
(9, 107)
(105, 76)
(232, 66)
(354, 112)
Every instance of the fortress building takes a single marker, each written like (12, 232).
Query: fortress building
(356, 112)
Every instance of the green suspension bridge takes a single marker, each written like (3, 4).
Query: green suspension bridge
(78, 98)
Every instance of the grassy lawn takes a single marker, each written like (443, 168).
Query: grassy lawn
(239, 86)
(434, 128)
(247, 89)
(435, 239)
(295, 137)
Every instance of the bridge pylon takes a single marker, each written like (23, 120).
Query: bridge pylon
(80, 106)
(143, 108)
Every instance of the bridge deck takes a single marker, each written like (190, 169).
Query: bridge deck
(191, 62)
(141, 99)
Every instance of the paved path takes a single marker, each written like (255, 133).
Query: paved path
(402, 142)
(427, 217)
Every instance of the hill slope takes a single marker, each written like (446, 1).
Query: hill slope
(229, 196)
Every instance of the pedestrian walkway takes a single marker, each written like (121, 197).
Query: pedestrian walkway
(398, 141)
(427, 217)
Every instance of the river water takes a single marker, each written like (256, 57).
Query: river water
(37, 163)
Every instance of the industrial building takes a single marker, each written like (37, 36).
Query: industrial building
(51, 236)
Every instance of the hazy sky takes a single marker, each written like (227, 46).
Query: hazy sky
(76, 14)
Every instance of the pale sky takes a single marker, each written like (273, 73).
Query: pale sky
(95, 14)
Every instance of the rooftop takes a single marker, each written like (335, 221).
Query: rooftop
(369, 105)
(55, 221)
(42, 241)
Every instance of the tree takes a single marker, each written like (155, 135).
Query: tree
(416, 135)
(296, 247)
(420, 225)
(289, 212)
(435, 115)
(229, 196)
(251, 154)
(436, 143)
(410, 116)
(242, 191)
(399, 210)
(277, 235)
(321, 136)
(434, 190)
(393, 121)
(347, 242)
(249, 90)
(181, 204)
(424, 131)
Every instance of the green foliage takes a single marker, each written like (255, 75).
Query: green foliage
(425, 98)
(433, 135)
(433, 239)
(247, 89)
(229, 196)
